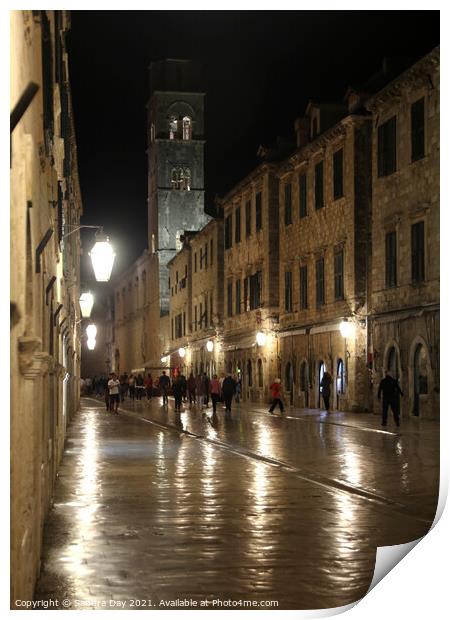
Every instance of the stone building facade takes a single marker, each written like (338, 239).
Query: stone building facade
(405, 231)
(45, 251)
(325, 210)
(196, 302)
(250, 281)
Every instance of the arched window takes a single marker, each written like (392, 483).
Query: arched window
(175, 181)
(173, 127)
(288, 377)
(303, 377)
(260, 374)
(187, 128)
(249, 373)
(340, 384)
(392, 362)
(187, 179)
(322, 369)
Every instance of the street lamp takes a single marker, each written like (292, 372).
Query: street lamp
(164, 359)
(181, 351)
(91, 331)
(347, 329)
(261, 339)
(91, 344)
(210, 345)
(102, 256)
(86, 303)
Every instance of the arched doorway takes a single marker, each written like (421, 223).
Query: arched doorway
(420, 377)
(304, 382)
(340, 381)
(321, 368)
(288, 381)
(249, 374)
(392, 363)
(260, 374)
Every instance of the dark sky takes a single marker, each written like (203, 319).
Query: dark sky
(260, 67)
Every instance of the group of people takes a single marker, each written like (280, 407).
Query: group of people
(199, 389)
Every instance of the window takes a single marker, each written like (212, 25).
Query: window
(200, 319)
(248, 218)
(255, 289)
(206, 255)
(318, 185)
(187, 179)
(418, 130)
(303, 287)
(187, 128)
(237, 224)
(238, 297)
(387, 157)
(391, 259)
(152, 132)
(417, 252)
(181, 178)
(339, 275)
(287, 204)
(303, 200)
(195, 262)
(201, 259)
(228, 239)
(249, 373)
(195, 318)
(211, 309)
(179, 326)
(184, 323)
(260, 374)
(173, 127)
(258, 211)
(171, 328)
(211, 252)
(338, 174)
(288, 291)
(246, 296)
(320, 283)
(230, 298)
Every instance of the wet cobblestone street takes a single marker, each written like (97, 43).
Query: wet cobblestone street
(154, 505)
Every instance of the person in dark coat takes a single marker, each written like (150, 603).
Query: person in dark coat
(206, 388)
(191, 388)
(325, 384)
(177, 390)
(183, 386)
(391, 392)
(228, 389)
(164, 385)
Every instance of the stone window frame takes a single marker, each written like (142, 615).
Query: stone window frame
(302, 173)
(287, 202)
(423, 95)
(383, 123)
(336, 150)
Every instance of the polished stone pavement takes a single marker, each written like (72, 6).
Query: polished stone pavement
(154, 505)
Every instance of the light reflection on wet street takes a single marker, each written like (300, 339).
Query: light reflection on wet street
(248, 507)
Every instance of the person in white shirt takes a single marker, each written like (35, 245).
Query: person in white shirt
(113, 387)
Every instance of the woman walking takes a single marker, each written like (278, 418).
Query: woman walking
(215, 392)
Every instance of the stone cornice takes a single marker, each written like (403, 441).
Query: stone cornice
(252, 177)
(33, 362)
(418, 74)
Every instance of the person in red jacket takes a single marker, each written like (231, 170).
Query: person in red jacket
(276, 396)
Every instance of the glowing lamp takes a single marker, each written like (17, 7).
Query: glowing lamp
(86, 303)
(347, 329)
(91, 344)
(181, 351)
(210, 345)
(102, 256)
(164, 359)
(91, 331)
(261, 339)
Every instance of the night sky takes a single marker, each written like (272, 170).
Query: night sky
(260, 70)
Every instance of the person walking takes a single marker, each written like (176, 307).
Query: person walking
(275, 389)
(199, 387)
(237, 396)
(164, 385)
(132, 386)
(177, 389)
(148, 383)
(206, 389)
(391, 392)
(325, 385)
(139, 387)
(191, 388)
(228, 390)
(215, 392)
(114, 395)
(183, 387)
(106, 394)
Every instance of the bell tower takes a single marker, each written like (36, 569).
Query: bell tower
(176, 144)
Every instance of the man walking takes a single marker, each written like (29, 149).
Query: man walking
(228, 389)
(215, 392)
(164, 384)
(325, 385)
(113, 388)
(391, 391)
